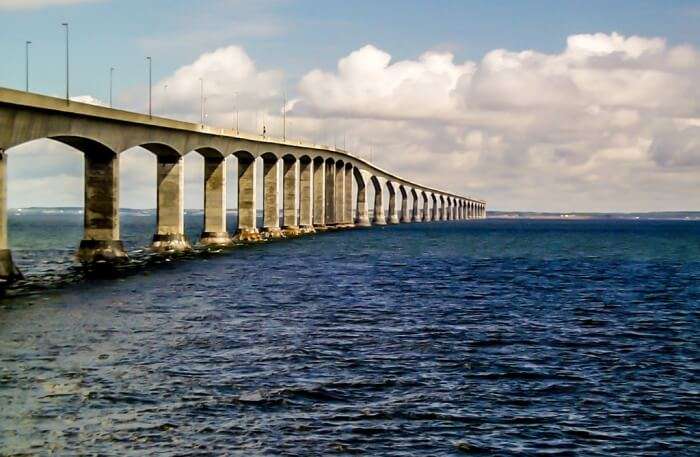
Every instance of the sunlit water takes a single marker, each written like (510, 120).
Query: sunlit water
(481, 337)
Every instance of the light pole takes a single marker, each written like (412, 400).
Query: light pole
(150, 100)
(26, 61)
(284, 117)
(65, 24)
(201, 99)
(235, 102)
(111, 81)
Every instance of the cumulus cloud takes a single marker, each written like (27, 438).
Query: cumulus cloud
(36, 4)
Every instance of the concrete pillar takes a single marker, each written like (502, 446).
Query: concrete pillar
(434, 216)
(347, 215)
(379, 216)
(305, 204)
(415, 217)
(8, 270)
(214, 233)
(470, 210)
(101, 214)
(426, 210)
(271, 212)
(393, 218)
(450, 208)
(442, 208)
(362, 216)
(170, 231)
(290, 224)
(330, 192)
(339, 192)
(319, 194)
(405, 217)
(247, 211)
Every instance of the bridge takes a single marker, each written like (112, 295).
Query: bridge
(319, 183)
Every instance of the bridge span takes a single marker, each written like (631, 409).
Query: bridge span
(317, 180)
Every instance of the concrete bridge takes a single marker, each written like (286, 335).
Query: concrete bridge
(320, 184)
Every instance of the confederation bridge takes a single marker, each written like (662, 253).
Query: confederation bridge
(319, 183)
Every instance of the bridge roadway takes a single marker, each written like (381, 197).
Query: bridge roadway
(323, 177)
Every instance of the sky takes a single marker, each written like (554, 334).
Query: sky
(538, 105)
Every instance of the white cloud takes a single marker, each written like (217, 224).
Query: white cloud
(36, 4)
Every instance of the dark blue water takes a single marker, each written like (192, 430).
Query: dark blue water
(480, 337)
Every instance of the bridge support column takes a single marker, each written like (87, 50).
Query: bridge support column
(362, 216)
(339, 193)
(214, 233)
(319, 194)
(306, 224)
(393, 217)
(426, 212)
(405, 217)
(379, 216)
(289, 196)
(330, 193)
(101, 214)
(8, 270)
(347, 213)
(415, 217)
(170, 231)
(271, 213)
(247, 212)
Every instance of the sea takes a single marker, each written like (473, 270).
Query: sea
(488, 337)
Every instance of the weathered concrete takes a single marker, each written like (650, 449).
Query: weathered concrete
(393, 217)
(442, 208)
(319, 195)
(8, 270)
(379, 218)
(347, 214)
(362, 215)
(214, 233)
(339, 193)
(101, 214)
(306, 224)
(247, 230)
(271, 212)
(170, 225)
(426, 209)
(405, 216)
(290, 224)
(330, 192)
(415, 215)
(434, 216)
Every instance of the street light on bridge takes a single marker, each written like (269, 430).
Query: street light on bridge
(65, 24)
(111, 80)
(201, 100)
(26, 61)
(150, 84)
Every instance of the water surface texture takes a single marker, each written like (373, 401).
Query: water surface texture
(479, 337)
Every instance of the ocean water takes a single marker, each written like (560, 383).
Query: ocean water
(492, 337)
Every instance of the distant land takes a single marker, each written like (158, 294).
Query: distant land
(660, 215)
(665, 215)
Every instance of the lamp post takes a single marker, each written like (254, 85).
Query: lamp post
(284, 117)
(26, 61)
(150, 84)
(235, 101)
(65, 24)
(111, 81)
(201, 100)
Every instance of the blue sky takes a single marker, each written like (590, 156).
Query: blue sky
(532, 105)
(300, 35)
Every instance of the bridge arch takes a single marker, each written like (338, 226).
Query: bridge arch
(426, 213)
(393, 217)
(378, 218)
(415, 211)
(361, 212)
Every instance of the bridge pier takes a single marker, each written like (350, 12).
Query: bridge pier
(347, 213)
(101, 214)
(405, 218)
(330, 193)
(319, 194)
(170, 231)
(247, 230)
(426, 212)
(290, 226)
(214, 233)
(393, 217)
(271, 212)
(8, 270)
(414, 207)
(306, 224)
(339, 193)
(379, 218)
(362, 216)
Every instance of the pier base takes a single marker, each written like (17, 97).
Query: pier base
(170, 242)
(216, 239)
(272, 233)
(93, 251)
(8, 270)
(291, 231)
(307, 229)
(247, 236)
